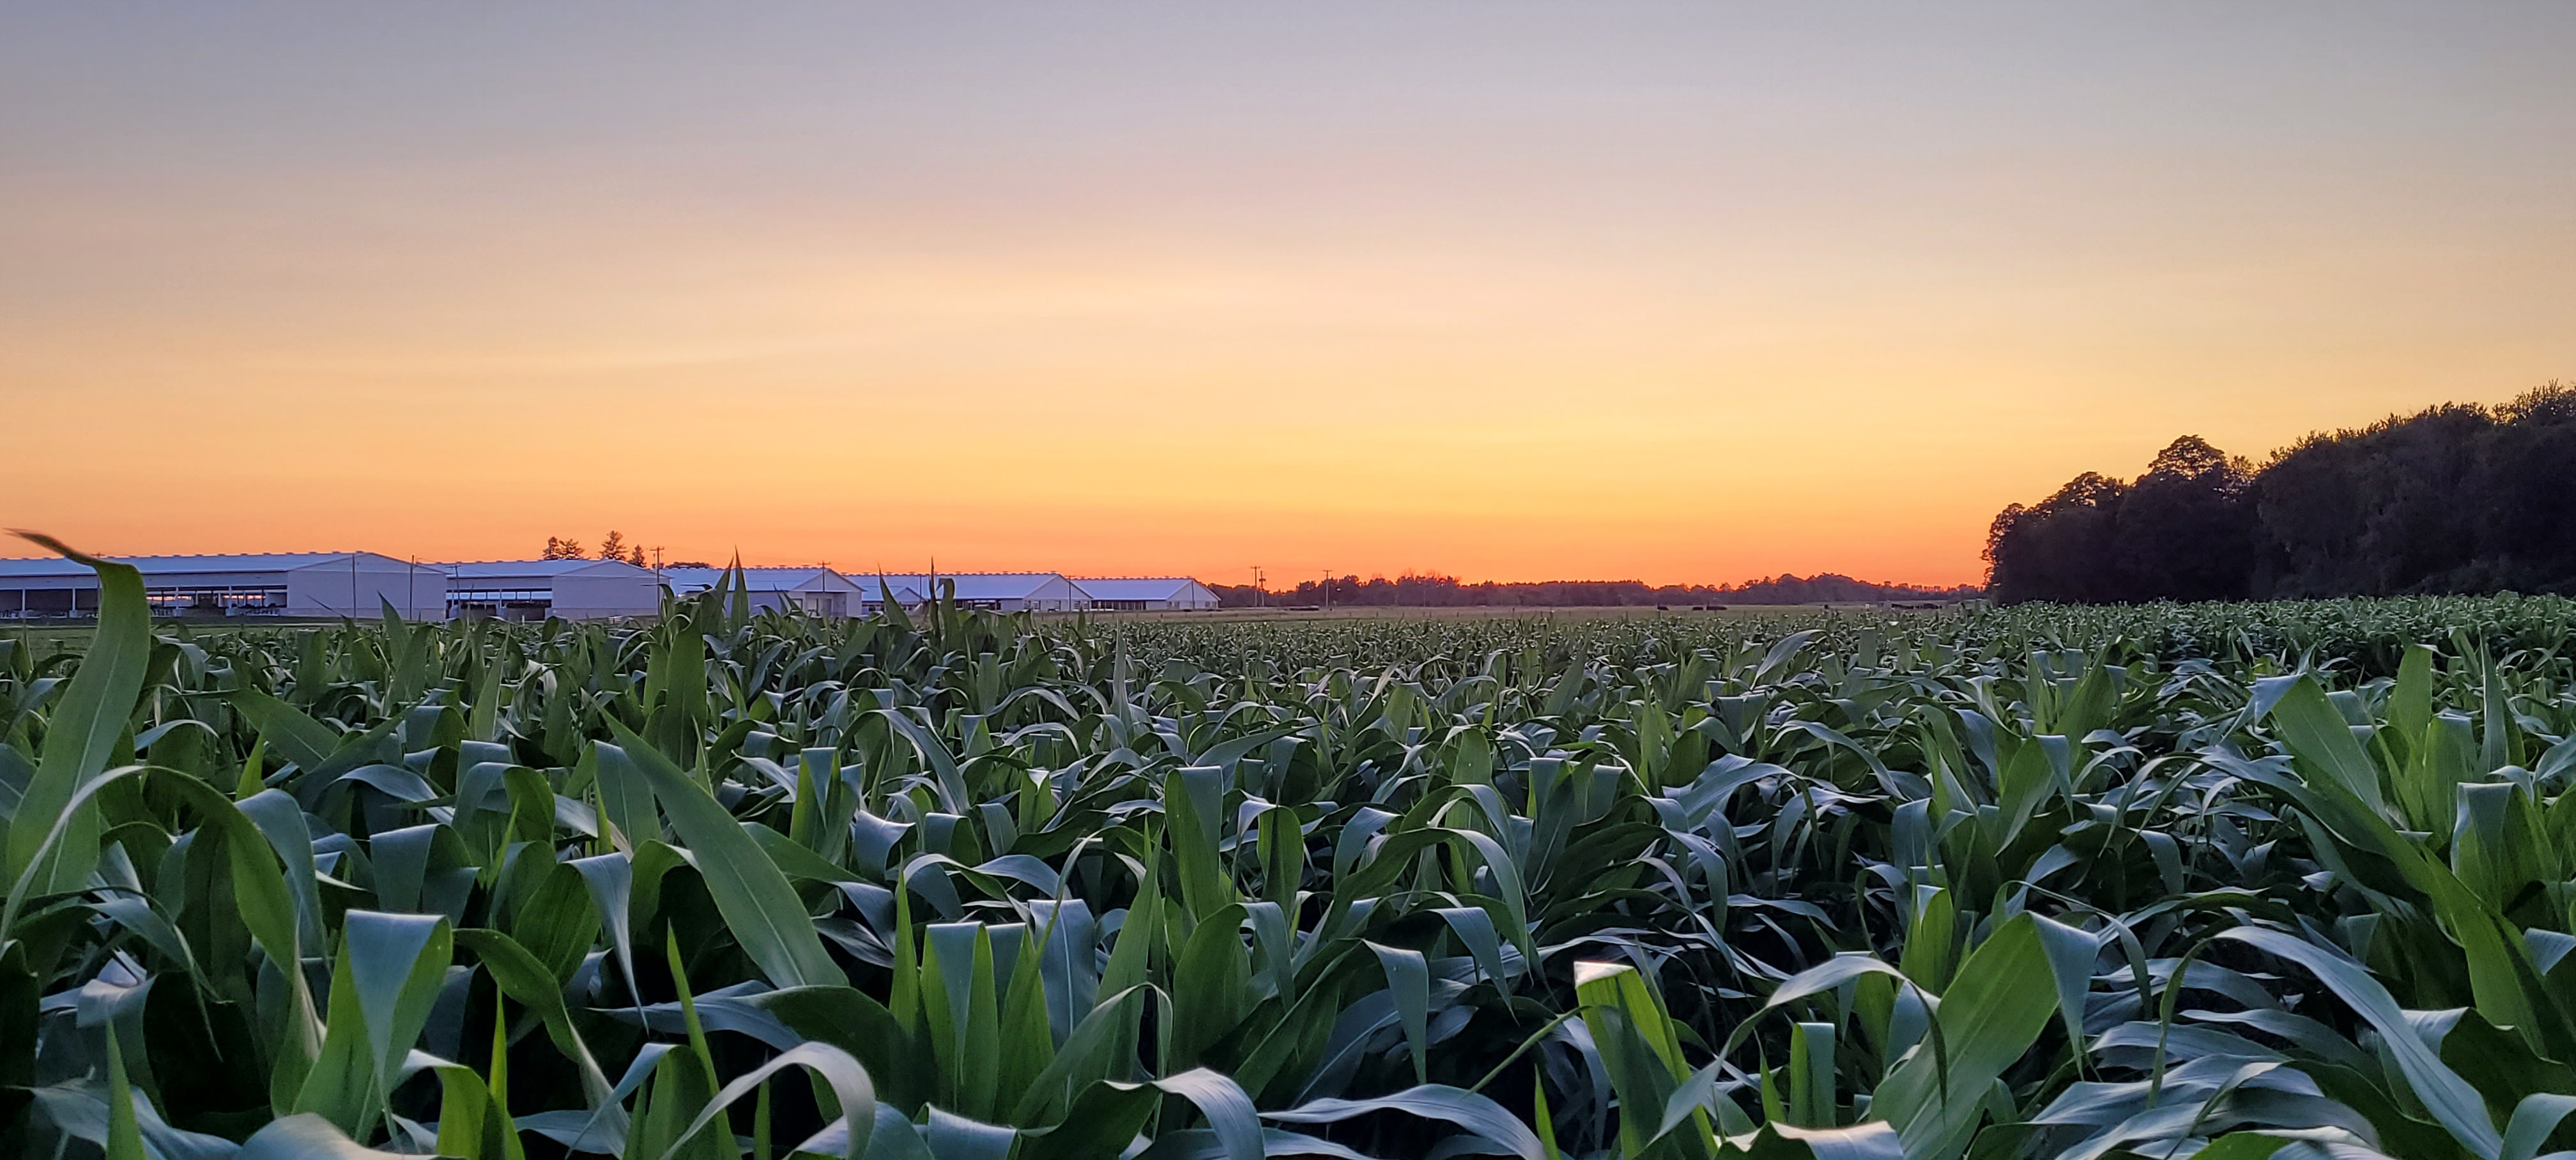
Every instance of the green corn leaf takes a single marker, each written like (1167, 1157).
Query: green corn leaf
(1192, 800)
(1102, 1121)
(2003, 996)
(2410, 700)
(2538, 1115)
(1229, 1112)
(1811, 1075)
(847, 1081)
(1638, 1047)
(1211, 983)
(81, 738)
(124, 1130)
(755, 899)
(294, 735)
(1408, 977)
(305, 1137)
(520, 976)
(2453, 1103)
(2321, 738)
(396, 963)
(1025, 1041)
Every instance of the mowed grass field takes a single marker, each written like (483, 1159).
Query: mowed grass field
(2221, 881)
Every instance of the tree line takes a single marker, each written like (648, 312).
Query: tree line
(612, 546)
(1436, 591)
(2456, 498)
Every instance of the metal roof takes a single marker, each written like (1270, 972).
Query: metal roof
(1140, 587)
(807, 578)
(503, 569)
(982, 585)
(56, 566)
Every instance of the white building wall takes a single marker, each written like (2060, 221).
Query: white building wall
(601, 597)
(361, 590)
(1148, 593)
(1056, 594)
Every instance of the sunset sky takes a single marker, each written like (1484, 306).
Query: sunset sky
(1678, 292)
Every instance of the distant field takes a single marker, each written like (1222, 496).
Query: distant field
(45, 635)
(1488, 612)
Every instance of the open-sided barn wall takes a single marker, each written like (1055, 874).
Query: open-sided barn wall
(311, 584)
(999, 591)
(1147, 593)
(43, 597)
(537, 589)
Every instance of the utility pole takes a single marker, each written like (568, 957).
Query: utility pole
(1328, 590)
(1260, 597)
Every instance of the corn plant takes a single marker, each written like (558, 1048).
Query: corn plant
(2222, 881)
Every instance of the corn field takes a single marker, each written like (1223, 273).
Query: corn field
(2225, 881)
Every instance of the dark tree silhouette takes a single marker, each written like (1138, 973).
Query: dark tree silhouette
(2184, 530)
(2061, 549)
(2454, 498)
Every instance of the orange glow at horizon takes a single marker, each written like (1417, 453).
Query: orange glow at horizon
(1558, 306)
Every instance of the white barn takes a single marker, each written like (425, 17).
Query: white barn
(1001, 591)
(537, 589)
(1147, 593)
(872, 595)
(816, 590)
(294, 584)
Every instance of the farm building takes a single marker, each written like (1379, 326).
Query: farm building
(872, 595)
(537, 589)
(1147, 593)
(1002, 591)
(306, 584)
(816, 590)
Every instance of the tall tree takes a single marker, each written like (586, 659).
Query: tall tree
(2454, 498)
(2062, 548)
(2184, 530)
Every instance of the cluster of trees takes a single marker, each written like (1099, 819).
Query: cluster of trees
(2454, 498)
(612, 546)
(1434, 591)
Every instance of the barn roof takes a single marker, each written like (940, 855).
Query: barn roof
(503, 569)
(55, 566)
(801, 578)
(983, 585)
(1137, 587)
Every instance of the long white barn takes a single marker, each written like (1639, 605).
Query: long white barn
(812, 589)
(1147, 593)
(293, 584)
(537, 589)
(997, 591)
